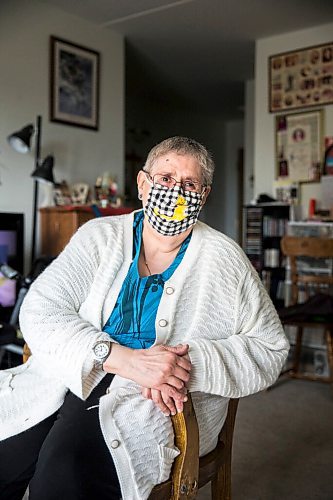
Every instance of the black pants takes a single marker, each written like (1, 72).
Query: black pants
(64, 457)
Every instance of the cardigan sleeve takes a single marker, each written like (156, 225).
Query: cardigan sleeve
(251, 358)
(49, 318)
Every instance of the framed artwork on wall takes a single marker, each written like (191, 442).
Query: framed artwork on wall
(328, 157)
(299, 146)
(301, 78)
(74, 84)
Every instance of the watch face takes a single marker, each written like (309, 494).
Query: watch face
(101, 350)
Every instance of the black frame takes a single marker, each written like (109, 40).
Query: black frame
(79, 59)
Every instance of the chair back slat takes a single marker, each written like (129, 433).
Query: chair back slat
(307, 247)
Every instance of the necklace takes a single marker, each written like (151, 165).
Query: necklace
(144, 259)
(149, 271)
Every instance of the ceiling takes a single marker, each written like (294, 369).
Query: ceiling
(197, 53)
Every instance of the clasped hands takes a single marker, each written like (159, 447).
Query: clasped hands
(162, 372)
(170, 394)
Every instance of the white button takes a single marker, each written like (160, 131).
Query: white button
(163, 322)
(108, 390)
(115, 443)
(169, 290)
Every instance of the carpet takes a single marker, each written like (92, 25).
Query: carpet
(283, 444)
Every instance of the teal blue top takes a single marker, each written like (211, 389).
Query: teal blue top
(132, 321)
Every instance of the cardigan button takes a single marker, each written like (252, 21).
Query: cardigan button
(115, 443)
(163, 322)
(170, 290)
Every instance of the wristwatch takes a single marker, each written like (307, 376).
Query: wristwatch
(101, 350)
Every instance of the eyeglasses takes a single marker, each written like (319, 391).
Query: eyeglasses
(169, 182)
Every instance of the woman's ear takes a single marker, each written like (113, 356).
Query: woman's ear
(207, 191)
(141, 177)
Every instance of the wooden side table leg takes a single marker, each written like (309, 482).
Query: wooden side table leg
(298, 348)
(329, 345)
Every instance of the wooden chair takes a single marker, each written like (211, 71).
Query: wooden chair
(308, 284)
(189, 472)
(26, 353)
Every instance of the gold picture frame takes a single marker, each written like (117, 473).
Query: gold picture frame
(301, 78)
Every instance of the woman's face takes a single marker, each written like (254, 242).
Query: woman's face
(180, 167)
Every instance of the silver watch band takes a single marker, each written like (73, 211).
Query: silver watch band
(101, 351)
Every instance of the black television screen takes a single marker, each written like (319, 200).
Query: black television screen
(11, 253)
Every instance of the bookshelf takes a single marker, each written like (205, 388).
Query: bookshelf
(264, 225)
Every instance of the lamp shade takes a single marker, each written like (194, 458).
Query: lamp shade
(20, 140)
(44, 172)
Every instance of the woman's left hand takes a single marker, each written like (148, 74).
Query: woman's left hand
(167, 404)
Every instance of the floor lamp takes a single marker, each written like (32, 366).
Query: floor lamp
(43, 171)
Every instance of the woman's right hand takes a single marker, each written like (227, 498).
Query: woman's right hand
(153, 368)
(168, 405)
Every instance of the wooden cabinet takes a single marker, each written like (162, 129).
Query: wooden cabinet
(59, 223)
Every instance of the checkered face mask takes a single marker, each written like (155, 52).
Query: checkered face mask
(172, 211)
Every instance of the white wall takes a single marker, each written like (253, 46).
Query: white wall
(249, 141)
(264, 148)
(80, 154)
(234, 141)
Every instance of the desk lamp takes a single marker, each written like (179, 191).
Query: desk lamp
(21, 142)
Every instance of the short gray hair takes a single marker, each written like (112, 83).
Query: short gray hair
(184, 146)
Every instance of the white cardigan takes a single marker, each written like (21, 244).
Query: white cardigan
(215, 303)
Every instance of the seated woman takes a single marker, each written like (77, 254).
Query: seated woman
(136, 311)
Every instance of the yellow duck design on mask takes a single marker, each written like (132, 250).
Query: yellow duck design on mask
(179, 213)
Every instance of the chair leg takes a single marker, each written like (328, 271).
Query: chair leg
(298, 348)
(221, 484)
(329, 345)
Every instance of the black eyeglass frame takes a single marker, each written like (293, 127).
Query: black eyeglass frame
(151, 177)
